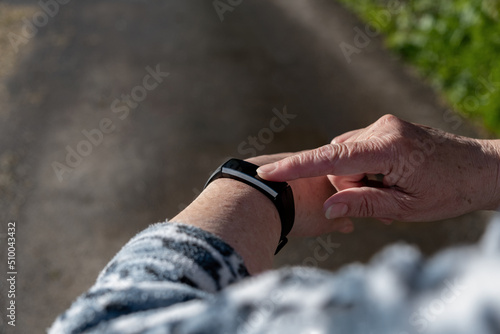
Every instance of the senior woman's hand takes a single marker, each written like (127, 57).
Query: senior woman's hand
(309, 195)
(425, 174)
(248, 221)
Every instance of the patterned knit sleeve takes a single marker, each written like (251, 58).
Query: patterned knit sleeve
(164, 265)
(175, 279)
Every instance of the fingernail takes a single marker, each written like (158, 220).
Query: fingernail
(266, 169)
(336, 210)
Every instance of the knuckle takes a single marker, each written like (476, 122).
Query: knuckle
(389, 119)
(404, 207)
(393, 126)
(328, 154)
(298, 161)
(366, 208)
(294, 161)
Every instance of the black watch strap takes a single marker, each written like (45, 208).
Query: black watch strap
(280, 193)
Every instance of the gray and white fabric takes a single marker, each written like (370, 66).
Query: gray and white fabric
(174, 278)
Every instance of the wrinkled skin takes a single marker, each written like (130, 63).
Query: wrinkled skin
(424, 174)
(309, 195)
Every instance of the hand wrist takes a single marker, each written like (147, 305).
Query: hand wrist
(241, 216)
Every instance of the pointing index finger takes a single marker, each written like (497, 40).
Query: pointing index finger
(334, 159)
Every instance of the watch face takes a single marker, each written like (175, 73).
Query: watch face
(242, 166)
(233, 164)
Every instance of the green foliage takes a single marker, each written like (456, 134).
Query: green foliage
(455, 44)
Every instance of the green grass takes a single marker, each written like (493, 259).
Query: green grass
(455, 44)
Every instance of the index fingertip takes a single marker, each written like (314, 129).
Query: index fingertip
(266, 170)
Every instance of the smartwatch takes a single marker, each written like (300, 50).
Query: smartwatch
(280, 193)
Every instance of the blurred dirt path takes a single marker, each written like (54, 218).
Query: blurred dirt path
(97, 141)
